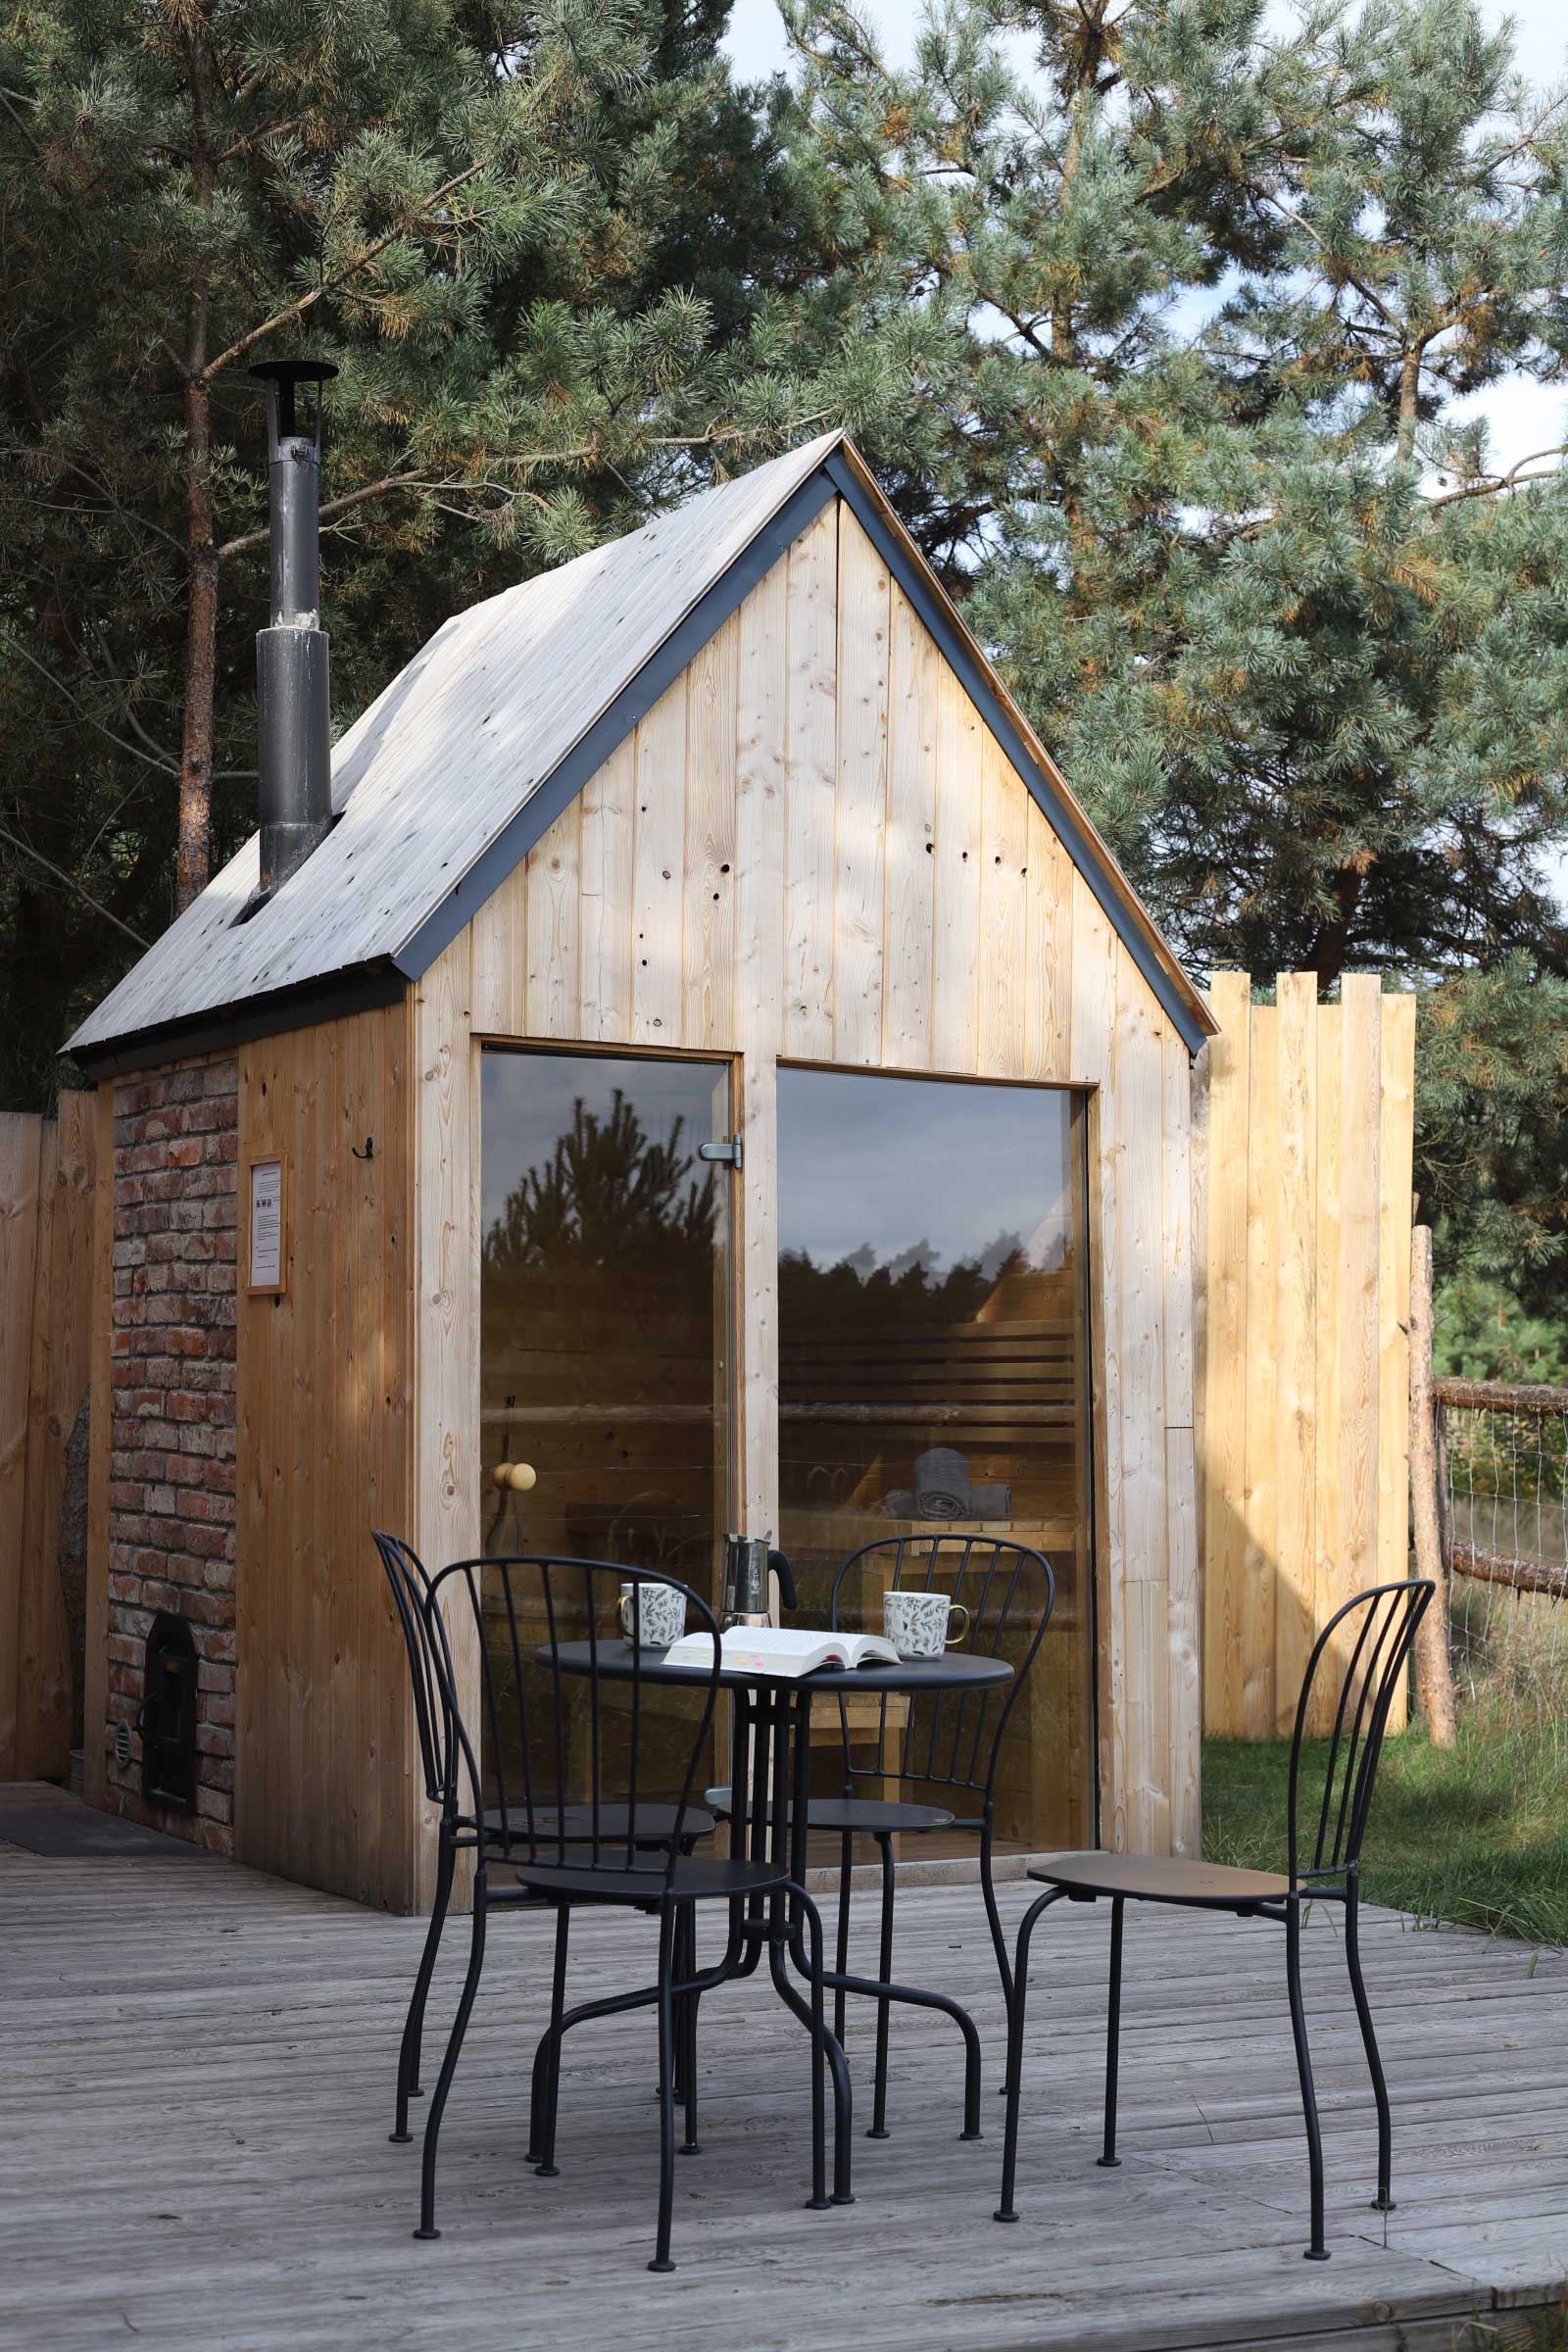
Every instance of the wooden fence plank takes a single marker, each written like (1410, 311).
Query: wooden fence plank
(1296, 1344)
(21, 1150)
(1225, 1411)
(1259, 1570)
(1306, 1180)
(1396, 1110)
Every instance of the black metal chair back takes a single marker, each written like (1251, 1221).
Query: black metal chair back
(411, 1587)
(953, 1741)
(574, 1763)
(1368, 1644)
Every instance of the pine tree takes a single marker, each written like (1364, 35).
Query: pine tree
(538, 242)
(1202, 289)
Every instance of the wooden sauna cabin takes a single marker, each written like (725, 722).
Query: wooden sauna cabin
(708, 1061)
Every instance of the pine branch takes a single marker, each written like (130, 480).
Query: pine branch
(341, 277)
(1514, 479)
(71, 883)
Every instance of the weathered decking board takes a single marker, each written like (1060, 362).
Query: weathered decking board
(197, 2063)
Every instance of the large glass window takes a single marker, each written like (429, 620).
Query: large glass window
(604, 1318)
(933, 1366)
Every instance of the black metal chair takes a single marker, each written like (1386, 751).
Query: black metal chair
(410, 1583)
(947, 1742)
(1368, 1643)
(600, 1725)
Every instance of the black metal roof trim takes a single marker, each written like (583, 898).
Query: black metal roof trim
(260, 1017)
(1059, 813)
(610, 730)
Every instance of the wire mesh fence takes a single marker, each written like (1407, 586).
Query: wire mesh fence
(1503, 1483)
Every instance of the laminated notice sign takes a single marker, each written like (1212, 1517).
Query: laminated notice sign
(267, 1225)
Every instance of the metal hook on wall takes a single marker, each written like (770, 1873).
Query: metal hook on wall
(370, 1149)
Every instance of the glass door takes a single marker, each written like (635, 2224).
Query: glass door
(934, 1370)
(605, 1310)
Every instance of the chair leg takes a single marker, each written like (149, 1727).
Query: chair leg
(994, 1922)
(819, 2200)
(1317, 2251)
(414, 2024)
(667, 2090)
(842, 1957)
(1383, 2202)
(884, 1970)
(1108, 2158)
(547, 2167)
(1006, 2211)
(449, 2061)
(691, 2147)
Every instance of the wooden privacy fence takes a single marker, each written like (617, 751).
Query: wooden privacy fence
(1305, 1216)
(46, 1204)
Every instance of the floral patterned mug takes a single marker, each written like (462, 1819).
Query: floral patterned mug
(918, 1624)
(652, 1616)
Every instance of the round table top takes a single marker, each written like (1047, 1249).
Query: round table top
(955, 1670)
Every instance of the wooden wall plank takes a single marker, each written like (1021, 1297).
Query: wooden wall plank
(811, 765)
(554, 928)
(20, 1149)
(760, 850)
(709, 856)
(659, 841)
(608, 810)
(446, 1316)
(1096, 956)
(323, 1791)
(916, 670)
(863, 670)
(1296, 1346)
(1225, 1408)
(500, 934)
(1005, 994)
(955, 960)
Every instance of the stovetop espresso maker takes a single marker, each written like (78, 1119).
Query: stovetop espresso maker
(747, 1561)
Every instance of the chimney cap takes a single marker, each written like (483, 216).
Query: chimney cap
(294, 371)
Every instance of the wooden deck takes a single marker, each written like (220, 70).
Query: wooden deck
(197, 2065)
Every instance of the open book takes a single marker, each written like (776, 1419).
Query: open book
(787, 1652)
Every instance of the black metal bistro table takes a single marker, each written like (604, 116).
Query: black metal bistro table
(770, 1773)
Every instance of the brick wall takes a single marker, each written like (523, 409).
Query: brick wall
(172, 1461)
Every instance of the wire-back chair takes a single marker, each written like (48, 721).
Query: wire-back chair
(571, 1768)
(947, 1744)
(1366, 1644)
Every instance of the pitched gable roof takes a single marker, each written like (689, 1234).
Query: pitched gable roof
(452, 775)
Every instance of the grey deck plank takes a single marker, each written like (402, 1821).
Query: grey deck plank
(254, 2025)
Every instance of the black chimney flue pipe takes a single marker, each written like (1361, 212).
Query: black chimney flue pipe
(291, 656)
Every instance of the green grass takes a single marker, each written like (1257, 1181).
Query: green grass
(1478, 1836)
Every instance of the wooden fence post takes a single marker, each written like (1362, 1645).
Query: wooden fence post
(1433, 1674)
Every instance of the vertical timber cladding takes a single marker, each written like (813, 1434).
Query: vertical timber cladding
(1305, 1462)
(813, 848)
(326, 1770)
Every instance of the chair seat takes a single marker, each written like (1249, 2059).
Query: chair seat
(1162, 1879)
(656, 1823)
(875, 1815)
(698, 1879)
